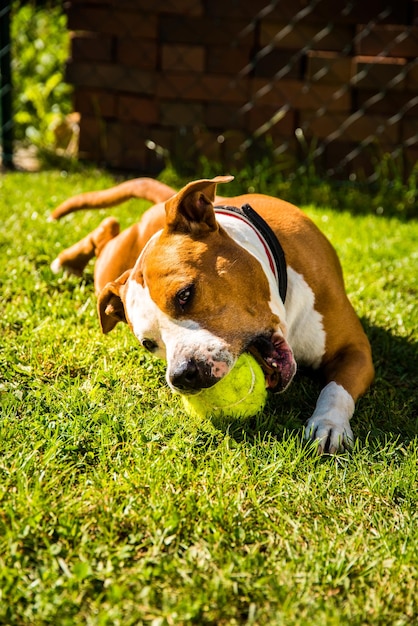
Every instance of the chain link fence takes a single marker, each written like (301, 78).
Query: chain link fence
(327, 84)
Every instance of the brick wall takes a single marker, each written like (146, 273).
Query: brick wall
(205, 77)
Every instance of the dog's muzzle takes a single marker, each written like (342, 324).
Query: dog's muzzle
(272, 353)
(276, 359)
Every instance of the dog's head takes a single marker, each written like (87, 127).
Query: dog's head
(198, 299)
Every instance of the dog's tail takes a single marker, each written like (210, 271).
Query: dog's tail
(145, 188)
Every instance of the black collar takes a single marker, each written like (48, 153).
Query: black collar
(267, 237)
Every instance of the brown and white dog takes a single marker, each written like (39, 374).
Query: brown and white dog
(198, 286)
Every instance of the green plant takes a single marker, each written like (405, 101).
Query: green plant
(40, 43)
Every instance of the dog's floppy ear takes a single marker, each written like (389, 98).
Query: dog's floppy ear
(110, 306)
(191, 209)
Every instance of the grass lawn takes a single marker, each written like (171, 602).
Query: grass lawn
(116, 508)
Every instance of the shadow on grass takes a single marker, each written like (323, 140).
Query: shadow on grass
(389, 410)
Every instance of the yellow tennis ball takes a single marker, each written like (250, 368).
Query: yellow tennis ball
(241, 393)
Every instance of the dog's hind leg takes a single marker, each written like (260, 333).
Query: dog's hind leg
(75, 258)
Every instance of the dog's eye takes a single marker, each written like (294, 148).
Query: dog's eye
(184, 296)
(149, 345)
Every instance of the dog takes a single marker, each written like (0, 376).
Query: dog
(202, 278)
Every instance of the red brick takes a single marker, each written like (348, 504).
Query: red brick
(295, 37)
(262, 119)
(412, 78)
(227, 59)
(186, 146)
(155, 82)
(136, 154)
(203, 31)
(299, 95)
(378, 72)
(328, 68)
(358, 129)
(92, 138)
(410, 129)
(206, 143)
(133, 137)
(115, 145)
(343, 159)
(111, 21)
(183, 58)
(188, 7)
(300, 11)
(201, 88)
(95, 103)
(93, 2)
(162, 137)
(111, 76)
(137, 52)
(341, 11)
(389, 40)
(91, 47)
(133, 160)
(126, 145)
(180, 114)
(235, 8)
(387, 104)
(284, 61)
(232, 145)
(137, 109)
(224, 116)
(399, 12)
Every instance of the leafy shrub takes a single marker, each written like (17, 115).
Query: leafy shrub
(40, 42)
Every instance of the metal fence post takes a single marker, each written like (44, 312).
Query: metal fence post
(6, 118)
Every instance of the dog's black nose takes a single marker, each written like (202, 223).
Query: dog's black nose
(191, 375)
(186, 376)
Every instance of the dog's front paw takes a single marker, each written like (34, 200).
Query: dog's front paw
(330, 422)
(331, 435)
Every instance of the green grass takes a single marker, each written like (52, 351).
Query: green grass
(116, 508)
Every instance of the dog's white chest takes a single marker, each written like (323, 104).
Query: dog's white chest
(306, 334)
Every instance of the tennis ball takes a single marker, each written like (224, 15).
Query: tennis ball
(241, 393)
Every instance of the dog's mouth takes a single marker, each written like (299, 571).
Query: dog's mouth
(276, 360)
